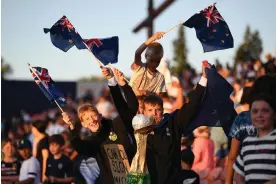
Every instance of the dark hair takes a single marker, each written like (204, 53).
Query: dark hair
(267, 98)
(245, 99)
(187, 156)
(40, 125)
(155, 48)
(57, 138)
(265, 84)
(153, 99)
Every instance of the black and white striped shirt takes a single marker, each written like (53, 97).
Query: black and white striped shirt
(257, 159)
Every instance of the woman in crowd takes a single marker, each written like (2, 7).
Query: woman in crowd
(40, 145)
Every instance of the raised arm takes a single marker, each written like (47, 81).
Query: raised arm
(126, 107)
(189, 110)
(137, 59)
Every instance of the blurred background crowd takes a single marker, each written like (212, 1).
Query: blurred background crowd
(242, 76)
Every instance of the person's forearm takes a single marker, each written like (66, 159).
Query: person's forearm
(73, 155)
(65, 180)
(233, 154)
(126, 110)
(139, 52)
(271, 181)
(131, 99)
(141, 49)
(44, 168)
(229, 171)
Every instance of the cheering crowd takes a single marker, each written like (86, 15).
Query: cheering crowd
(72, 147)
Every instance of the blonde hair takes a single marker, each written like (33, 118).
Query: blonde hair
(86, 108)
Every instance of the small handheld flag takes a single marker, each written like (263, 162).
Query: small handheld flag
(47, 85)
(104, 49)
(64, 35)
(211, 29)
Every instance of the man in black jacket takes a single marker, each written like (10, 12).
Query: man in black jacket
(111, 143)
(163, 148)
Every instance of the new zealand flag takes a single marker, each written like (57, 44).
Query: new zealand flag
(105, 49)
(47, 85)
(64, 36)
(211, 29)
(216, 109)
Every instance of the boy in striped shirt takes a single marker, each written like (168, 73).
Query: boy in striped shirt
(257, 160)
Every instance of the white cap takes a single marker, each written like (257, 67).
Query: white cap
(141, 121)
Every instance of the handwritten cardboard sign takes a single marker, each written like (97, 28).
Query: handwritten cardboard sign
(118, 162)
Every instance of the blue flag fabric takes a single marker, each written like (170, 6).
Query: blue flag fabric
(64, 36)
(47, 85)
(105, 49)
(216, 109)
(211, 29)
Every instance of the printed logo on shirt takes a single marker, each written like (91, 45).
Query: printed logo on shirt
(49, 165)
(168, 131)
(189, 181)
(60, 165)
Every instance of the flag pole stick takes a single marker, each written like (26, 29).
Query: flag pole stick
(174, 27)
(31, 68)
(100, 63)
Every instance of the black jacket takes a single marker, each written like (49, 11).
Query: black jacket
(163, 148)
(94, 147)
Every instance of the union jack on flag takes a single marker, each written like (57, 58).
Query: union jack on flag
(41, 75)
(212, 15)
(105, 49)
(65, 23)
(47, 85)
(211, 29)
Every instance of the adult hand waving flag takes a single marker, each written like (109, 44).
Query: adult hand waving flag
(47, 85)
(64, 35)
(104, 49)
(211, 29)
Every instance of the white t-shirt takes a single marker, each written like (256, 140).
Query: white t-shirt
(30, 169)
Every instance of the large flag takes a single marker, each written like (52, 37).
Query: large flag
(105, 49)
(47, 85)
(216, 109)
(211, 29)
(64, 35)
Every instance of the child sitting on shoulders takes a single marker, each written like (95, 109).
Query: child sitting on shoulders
(146, 77)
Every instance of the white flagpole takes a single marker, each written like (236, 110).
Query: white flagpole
(31, 68)
(174, 27)
(100, 63)
(34, 72)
